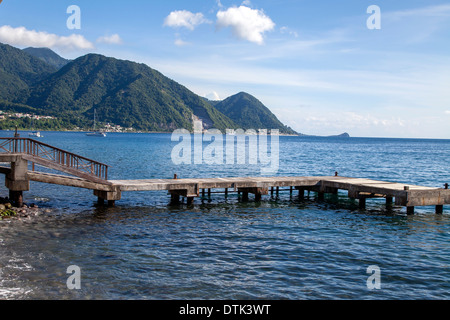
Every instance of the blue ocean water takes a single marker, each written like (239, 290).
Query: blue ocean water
(221, 248)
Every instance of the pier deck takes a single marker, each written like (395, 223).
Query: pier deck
(89, 174)
(401, 194)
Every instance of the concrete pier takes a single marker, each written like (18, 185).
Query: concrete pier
(89, 174)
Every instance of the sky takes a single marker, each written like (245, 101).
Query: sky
(377, 68)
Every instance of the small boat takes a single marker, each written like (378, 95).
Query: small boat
(35, 134)
(96, 133)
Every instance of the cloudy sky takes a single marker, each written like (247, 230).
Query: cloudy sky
(323, 67)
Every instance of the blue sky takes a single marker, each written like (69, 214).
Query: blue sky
(315, 64)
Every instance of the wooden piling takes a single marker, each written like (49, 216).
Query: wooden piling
(362, 203)
(389, 201)
(16, 197)
(320, 196)
(174, 199)
(100, 201)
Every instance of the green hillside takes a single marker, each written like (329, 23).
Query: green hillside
(123, 93)
(48, 56)
(249, 113)
(18, 71)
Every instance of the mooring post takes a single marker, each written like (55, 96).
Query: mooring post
(190, 200)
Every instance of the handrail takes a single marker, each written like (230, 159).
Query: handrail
(56, 155)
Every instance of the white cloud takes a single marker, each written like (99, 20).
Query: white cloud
(430, 11)
(219, 4)
(112, 39)
(246, 23)
(186, 19)
(289, 31)
(30, 38)
(180, 43)
(447, 111)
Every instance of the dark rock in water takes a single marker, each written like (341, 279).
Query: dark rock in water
(343, 135)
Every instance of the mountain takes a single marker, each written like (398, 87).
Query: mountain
(124, 93)
(18, 71)
(249, 113)
(121, 92)
(48, 56)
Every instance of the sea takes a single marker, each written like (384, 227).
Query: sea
(222, 248)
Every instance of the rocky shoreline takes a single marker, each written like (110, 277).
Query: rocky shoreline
(8, 211)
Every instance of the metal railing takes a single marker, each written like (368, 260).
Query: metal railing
(55, 155)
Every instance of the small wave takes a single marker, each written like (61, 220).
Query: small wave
(41, 199)
(12, 293)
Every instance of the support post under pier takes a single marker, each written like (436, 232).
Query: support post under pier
(110, 196)
(17, 181)
(362, 203)
(16, 197)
